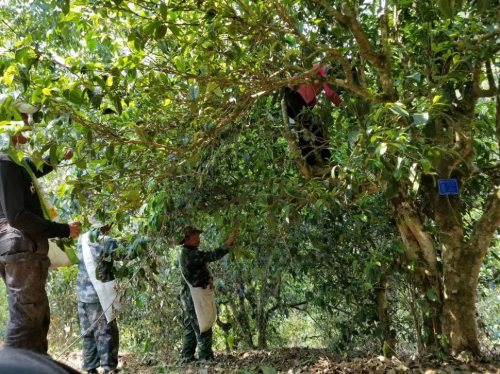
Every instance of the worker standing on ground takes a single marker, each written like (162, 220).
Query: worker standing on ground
(99, 301)
(24, 234)
(195, 273)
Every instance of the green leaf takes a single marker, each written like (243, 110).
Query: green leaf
(133, 195)
(110, 152)
(431, 295)
(53, 156)
(194, 93)
(82, 164)
(398, 110)
(267, 370)
(211, 86)
(20, 53)
(75, 95)
(354, 137)
(230, 341)
(66, 7)
(91, 42)
(175, 30)
(8, 79)
(180, 64)
(420, 118)
(218, 92)
(61, 190)
(416, 77)
(426, 165)
(150, 29)
(164, 11)
(160, 32)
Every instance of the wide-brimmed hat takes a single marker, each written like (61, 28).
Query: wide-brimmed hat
(188, 231)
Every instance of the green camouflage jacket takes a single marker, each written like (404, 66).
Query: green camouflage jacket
(193, 264)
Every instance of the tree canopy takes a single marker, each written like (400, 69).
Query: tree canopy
(174, 111)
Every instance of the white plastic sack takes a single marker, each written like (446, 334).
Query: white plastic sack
(58, 258)
(204, 305)
(107, 292)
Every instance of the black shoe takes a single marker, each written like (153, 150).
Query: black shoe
(210, 358)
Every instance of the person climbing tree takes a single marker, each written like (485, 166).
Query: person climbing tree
(24, 233)
(195, 273)
(312, 135)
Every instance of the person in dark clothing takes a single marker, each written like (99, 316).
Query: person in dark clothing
(312, 136)
(193, 263)
(16, 361)
(24, 263)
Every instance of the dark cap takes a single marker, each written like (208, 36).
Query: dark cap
(188, 231)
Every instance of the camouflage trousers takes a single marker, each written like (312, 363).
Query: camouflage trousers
(192, 336)
(24, 268)
(100, 338)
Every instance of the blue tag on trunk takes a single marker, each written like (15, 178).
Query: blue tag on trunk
(448, 186)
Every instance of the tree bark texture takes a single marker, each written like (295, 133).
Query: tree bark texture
(388, 336)
(462, 261)
(419, 249)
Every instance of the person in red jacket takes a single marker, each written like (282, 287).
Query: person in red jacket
(299, 104)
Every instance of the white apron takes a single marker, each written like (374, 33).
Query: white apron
(109, 297)
(204, 305)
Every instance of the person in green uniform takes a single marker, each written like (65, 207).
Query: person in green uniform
(193, 263)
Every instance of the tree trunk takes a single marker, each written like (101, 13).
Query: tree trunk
(262, 334)
(420, 250)
(388, 336)
(462, 263)
(459, 308)
(242, 318)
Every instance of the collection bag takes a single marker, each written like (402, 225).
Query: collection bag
(204, 305)
(109, 296)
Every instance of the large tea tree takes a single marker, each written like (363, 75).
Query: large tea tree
(143, 88)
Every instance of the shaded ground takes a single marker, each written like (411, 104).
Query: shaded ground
(295, 361)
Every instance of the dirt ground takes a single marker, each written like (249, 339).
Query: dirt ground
(295, 361)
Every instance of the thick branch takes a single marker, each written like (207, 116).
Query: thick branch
(380, 62)
(422, 237)
(281, 306)
(484, 230)
(489, 75)
(497, 119)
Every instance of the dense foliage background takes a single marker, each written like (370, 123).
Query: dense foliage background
(174, 111)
